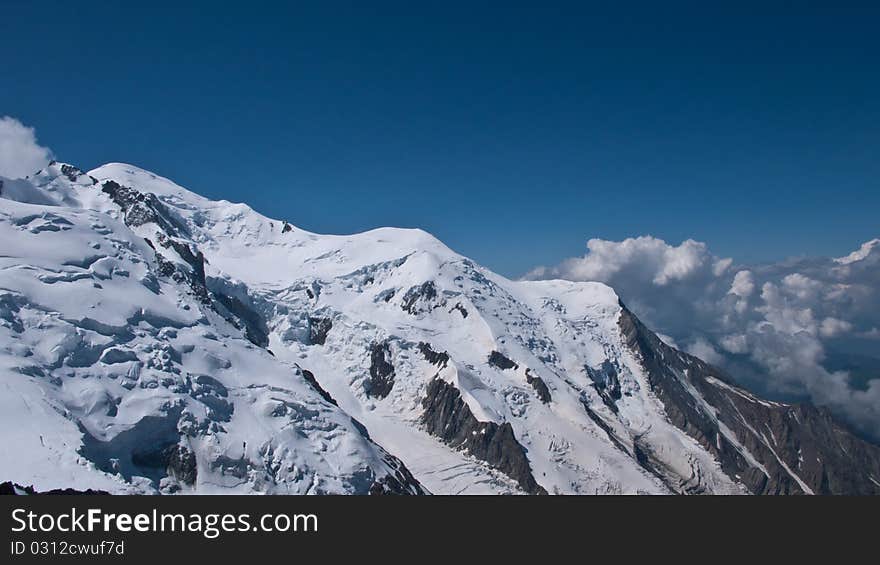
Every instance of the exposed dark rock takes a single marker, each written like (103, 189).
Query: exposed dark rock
(362, 429)
(381, 371)
(237, 468)
(461, 309)
(441, 359)
(540, 387)
(318, 330)
(606, 382)
(182, 464)
(425, 293)
(10, 488)
(821, 452)
(71, 172)
(211, 392)
(448, 417)
(255, 328)
(313, 291)
(399, 482)
(603, 425)
(140, 208)
(195, 277)
(498, 359)
(310, 378)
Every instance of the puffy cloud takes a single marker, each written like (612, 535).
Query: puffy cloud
(859, 254)
(644, 257)
(704, 350)
(20, 154)
(833, 327)
(774, 327)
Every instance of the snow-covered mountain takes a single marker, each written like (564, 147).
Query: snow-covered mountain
(154, 340)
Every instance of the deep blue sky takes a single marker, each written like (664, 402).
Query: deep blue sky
(513, 133)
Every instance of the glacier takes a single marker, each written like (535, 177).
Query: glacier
(155, 341)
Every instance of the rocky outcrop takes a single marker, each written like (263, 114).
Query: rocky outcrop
(398, 482)
(498, 359)
(448, 417)
(318, 330)
(420, 298)
(195, 275)
(244, 317)
(72, 173)
(182, 464)
(310, 378)
(461, 310)
(141, 208)
(540, 387)
(381, 371)
(775, 448)
(438, 358)
(606, 382)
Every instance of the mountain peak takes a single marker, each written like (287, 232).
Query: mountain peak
(158, 341)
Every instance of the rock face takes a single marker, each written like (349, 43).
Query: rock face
(420, 298)
(182, 464)
(449, 418)
(540, 387)
(606, 383)
(497, 359)
(318, 330)
(381, 371)
(799, 448)
(310, 378)
(399, 482)
(244, 317)
(440, 359)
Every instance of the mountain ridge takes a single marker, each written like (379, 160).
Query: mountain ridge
(396, 332)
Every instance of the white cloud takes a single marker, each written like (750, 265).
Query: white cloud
(734, 343)
(859, 254)
(873, 333)
(743, 284)
(772, 326)
(721, 266)
(20, 154)
(705, 351)
(646, 257)
(833, 327)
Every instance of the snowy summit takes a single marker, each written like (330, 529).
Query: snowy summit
(154, 341)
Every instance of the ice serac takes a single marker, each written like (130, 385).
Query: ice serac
(159, 341)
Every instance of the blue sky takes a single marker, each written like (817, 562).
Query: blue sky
(513, 132)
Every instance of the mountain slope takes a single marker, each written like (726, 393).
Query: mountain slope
(120, 376)
(260, 357)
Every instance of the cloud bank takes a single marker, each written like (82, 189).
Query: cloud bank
(20, 154)
(799, 329)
